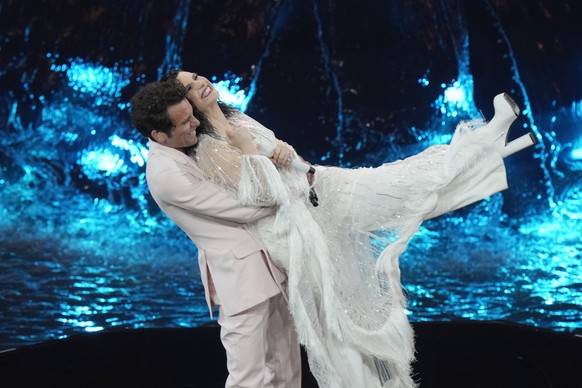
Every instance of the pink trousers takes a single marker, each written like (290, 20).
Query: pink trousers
(261, 345)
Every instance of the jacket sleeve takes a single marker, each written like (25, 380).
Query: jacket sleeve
(179, 187)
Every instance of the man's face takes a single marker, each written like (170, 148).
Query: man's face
(183, 134)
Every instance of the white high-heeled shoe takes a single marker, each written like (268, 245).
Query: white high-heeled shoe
(506, 111)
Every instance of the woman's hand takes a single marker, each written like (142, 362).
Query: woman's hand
(241, 138)
(283, 154)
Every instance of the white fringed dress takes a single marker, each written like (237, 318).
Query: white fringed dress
(342, 257)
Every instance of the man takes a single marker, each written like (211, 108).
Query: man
(257, 331)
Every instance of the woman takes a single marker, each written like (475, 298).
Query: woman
(342, 256)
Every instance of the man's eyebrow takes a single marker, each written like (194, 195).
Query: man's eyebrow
(194, 76)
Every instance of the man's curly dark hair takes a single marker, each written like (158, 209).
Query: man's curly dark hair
(149, 109)
(149, 106)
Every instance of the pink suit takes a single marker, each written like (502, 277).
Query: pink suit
(236, 270)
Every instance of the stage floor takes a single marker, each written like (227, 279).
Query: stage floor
(490, 354)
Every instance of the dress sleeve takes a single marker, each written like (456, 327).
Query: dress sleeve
(253, 178)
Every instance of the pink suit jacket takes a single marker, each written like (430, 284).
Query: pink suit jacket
(236, 270)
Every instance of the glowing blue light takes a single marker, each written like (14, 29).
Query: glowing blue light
(104, 205)
(442, 138)
(102, 162)
(94, 79)
(97, 163)
(88, 326)
(138, 152)
(455, 94)
(231, 93)
(576, 154)
(457, 98)
(93, 329)
(69, 137)
(424, 82)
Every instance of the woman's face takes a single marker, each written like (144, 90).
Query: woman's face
(200, 90)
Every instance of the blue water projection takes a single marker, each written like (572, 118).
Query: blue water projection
(86, 249)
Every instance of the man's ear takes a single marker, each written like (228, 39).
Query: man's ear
(159, 136)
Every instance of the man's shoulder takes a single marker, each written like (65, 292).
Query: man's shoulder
(159, 155)
(168, 166)
(159, 160)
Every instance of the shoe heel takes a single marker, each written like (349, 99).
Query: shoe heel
(519, 144)
(513, 105)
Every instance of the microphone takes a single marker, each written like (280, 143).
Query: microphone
(296, 163)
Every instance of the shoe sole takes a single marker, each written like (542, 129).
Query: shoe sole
(512, 104)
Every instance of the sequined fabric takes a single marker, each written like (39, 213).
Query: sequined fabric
(342, 256)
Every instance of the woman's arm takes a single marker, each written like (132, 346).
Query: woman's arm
(236, 165)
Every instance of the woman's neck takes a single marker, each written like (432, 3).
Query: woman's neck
(218, 120)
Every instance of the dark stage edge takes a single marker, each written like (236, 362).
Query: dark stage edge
(466, 354)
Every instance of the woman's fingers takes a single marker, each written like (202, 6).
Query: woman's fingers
(242, 139)
(283, 154)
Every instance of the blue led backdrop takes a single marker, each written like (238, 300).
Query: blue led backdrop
(355, 83)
